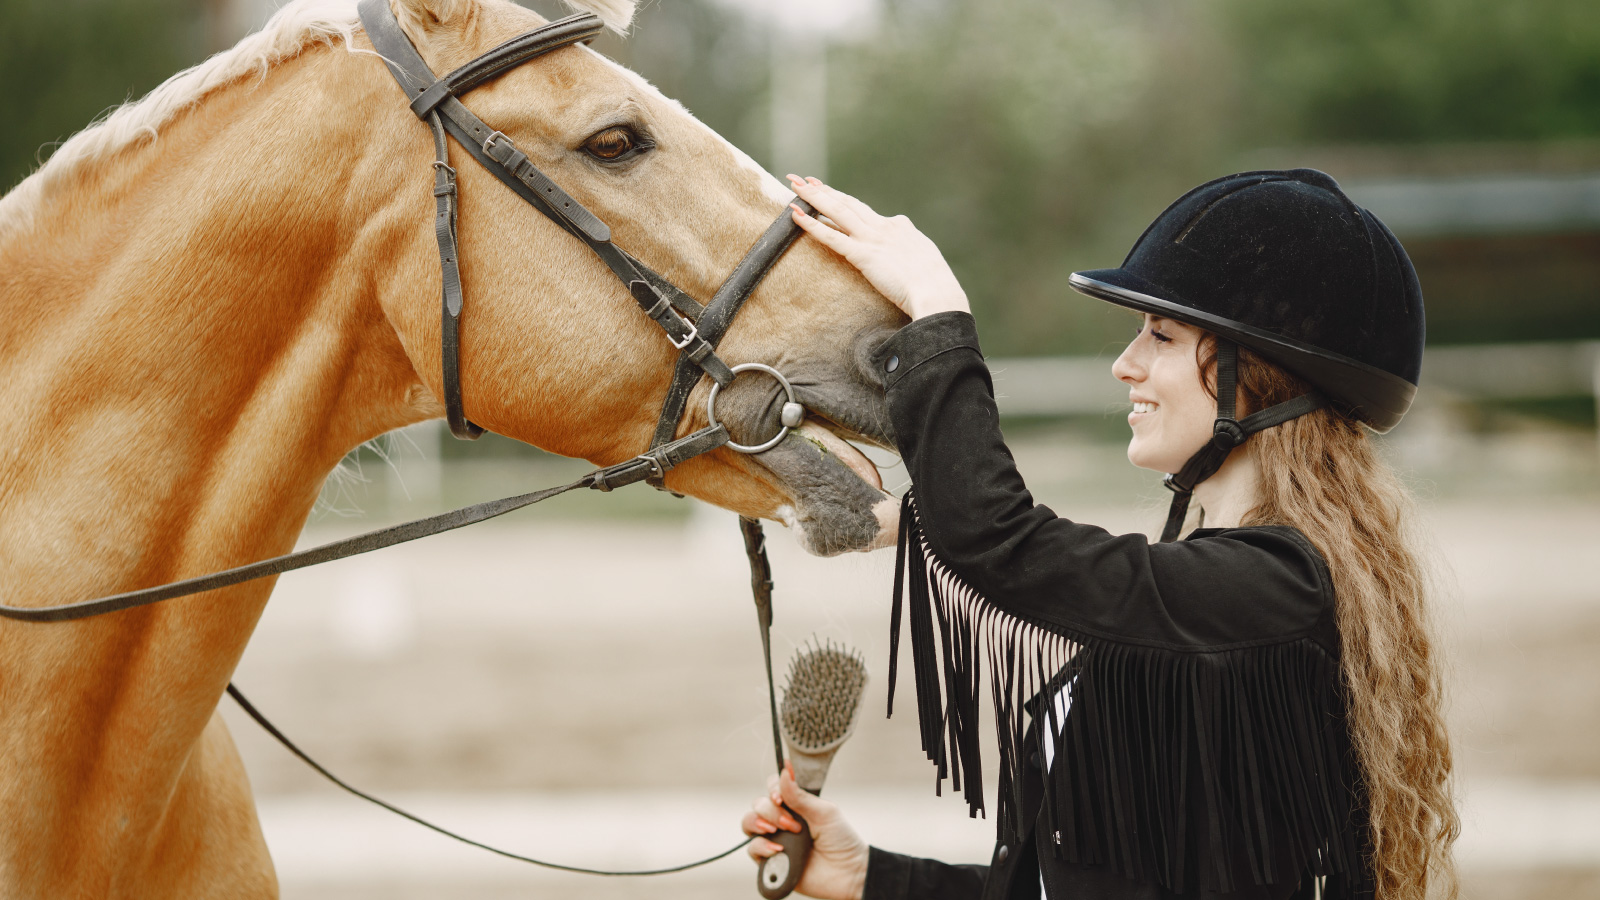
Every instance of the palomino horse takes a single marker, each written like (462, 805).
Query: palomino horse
(215, 294)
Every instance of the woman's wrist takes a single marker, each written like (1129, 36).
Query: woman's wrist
(932, 304)
(858, 876)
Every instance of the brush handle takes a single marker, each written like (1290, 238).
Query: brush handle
(781, 871)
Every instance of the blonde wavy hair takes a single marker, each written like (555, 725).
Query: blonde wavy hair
(1321, 474)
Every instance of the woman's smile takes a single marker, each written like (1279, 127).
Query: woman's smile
(1172, 411)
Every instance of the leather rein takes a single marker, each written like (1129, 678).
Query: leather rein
(693, 329)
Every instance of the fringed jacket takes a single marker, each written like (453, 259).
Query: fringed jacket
(1190, 691)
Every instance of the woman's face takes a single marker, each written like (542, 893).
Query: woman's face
(1172, 413)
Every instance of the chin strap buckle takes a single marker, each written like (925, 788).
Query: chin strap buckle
(1226, 433)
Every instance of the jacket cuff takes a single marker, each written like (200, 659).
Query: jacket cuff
(923, 340)
(888, 876)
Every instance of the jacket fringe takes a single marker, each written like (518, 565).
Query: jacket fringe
(1259, 726)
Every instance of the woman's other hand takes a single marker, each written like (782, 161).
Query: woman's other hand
(837, 869)
(898, 259)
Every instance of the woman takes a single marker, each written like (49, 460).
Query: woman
(1253, 711)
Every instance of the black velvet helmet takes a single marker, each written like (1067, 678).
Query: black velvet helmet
(1285, 264)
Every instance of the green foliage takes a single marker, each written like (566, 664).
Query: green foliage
(1033, 137)
(1029, 138)
(1419, 70)
(64, 62)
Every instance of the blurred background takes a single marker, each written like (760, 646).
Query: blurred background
(606, 710)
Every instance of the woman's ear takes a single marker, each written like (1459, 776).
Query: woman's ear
(1205, 358)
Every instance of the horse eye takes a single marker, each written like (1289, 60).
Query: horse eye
(615, 144)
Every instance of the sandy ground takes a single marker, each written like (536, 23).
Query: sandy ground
(592, 690)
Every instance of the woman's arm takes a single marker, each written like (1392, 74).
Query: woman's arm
(976, 512)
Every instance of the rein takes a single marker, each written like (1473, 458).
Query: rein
(694, 330)
(755, 549)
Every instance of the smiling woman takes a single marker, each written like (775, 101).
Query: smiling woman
(1251, 712)
(1172, 410)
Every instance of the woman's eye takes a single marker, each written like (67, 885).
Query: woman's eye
(614, 144)
(1160, 338)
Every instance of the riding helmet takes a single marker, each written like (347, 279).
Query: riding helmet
(1287, 265)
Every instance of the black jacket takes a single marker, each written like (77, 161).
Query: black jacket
(1204, 752)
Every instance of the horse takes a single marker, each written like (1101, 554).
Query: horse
(214, 294)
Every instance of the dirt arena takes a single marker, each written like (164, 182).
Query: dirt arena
(585, 684)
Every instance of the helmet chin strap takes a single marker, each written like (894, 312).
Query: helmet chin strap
(1226, 434)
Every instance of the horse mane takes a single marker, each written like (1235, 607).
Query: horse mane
(291, 30)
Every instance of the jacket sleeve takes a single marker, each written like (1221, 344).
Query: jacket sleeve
(891, 876)
(979, 519)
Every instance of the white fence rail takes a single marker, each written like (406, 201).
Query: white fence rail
(1081, 385)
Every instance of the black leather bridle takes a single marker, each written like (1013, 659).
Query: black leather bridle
(693, 329)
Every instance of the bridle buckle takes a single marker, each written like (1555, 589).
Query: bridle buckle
(488, 142)
(694, 333)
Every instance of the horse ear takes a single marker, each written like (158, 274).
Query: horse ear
(420, 18)
(617, 14)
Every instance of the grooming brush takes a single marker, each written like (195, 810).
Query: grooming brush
(821, 703)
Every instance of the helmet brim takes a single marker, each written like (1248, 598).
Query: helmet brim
(1366, 392)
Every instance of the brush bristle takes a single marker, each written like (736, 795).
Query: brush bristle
(824, 688)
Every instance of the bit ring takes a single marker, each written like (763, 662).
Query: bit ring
(790, 408)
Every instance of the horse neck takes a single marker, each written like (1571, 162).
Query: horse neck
(190, 344)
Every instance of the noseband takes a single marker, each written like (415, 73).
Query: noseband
(694, 330)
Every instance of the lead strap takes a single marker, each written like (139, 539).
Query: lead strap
(760, 586)
(755, 550)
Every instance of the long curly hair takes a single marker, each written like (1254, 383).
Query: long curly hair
(1321, 474)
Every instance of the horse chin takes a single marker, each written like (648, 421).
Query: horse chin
(838, 502)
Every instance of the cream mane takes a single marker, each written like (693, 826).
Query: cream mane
(295, 27)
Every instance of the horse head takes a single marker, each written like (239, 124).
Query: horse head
(555, 352)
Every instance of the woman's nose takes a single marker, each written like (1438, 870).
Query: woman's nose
(1129, 367)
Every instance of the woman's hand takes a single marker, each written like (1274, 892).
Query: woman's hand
(838, 866)
(898, 259)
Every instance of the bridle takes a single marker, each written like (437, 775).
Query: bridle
(694, 330)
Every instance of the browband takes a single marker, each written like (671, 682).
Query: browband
(580, 28)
